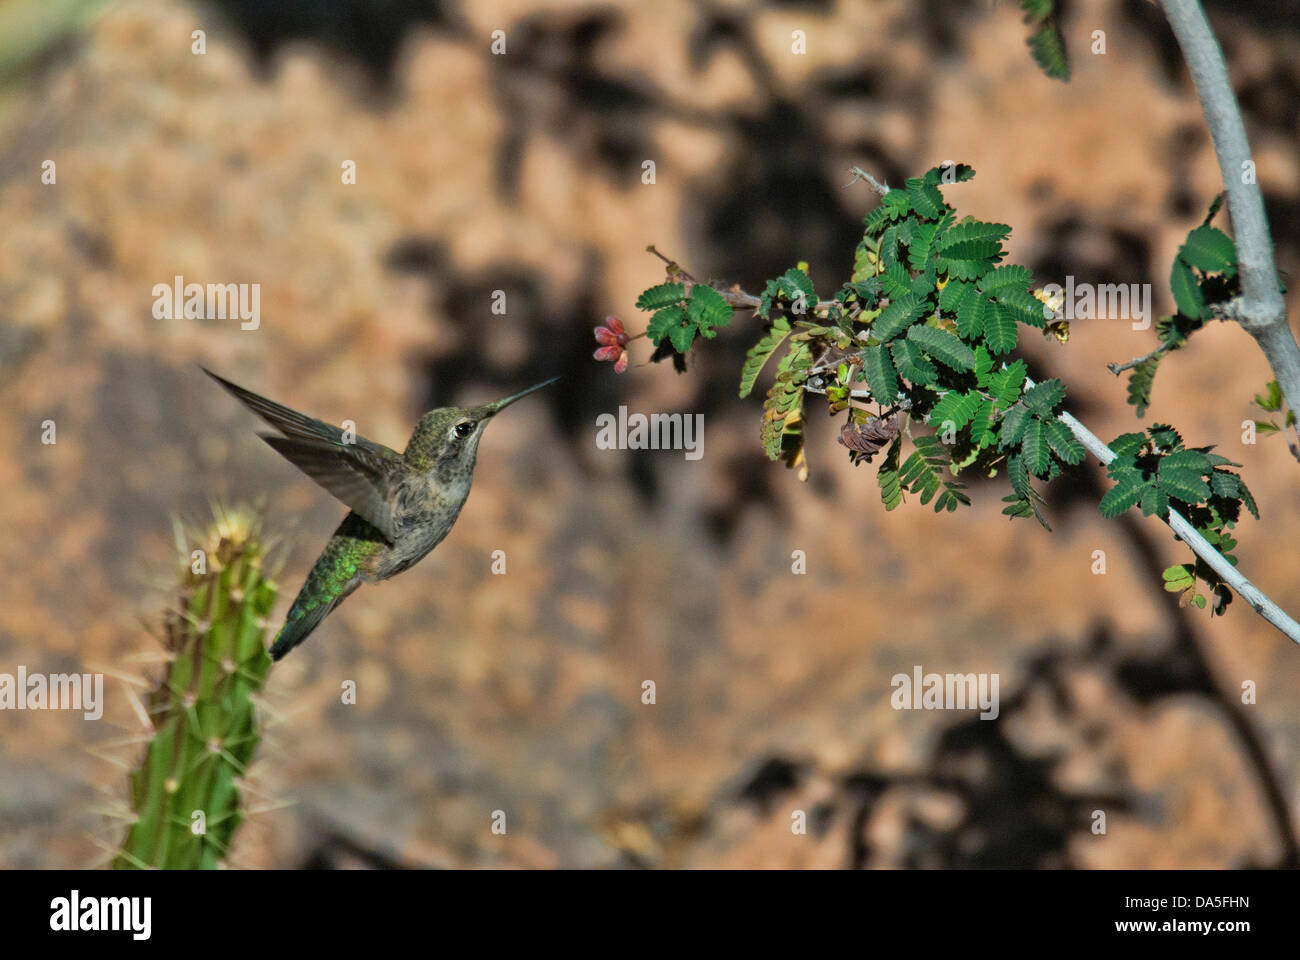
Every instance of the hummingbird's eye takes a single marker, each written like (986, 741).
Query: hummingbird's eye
(464, 428)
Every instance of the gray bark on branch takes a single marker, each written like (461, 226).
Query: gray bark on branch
(1258, 600)
(1261, 309)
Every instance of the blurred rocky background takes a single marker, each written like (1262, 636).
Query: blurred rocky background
(522, 173)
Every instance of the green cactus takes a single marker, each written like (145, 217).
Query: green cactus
(204, 718)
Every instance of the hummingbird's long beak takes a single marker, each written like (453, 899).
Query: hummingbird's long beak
(496, 406)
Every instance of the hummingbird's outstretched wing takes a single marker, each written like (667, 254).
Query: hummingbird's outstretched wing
(362, 479)
(287, 421)
(361, 473)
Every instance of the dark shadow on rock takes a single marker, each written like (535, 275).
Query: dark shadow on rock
(552, 82)
(367, 32)
(773, 778)
(1012, 811)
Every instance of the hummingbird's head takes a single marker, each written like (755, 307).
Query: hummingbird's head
(450, 435)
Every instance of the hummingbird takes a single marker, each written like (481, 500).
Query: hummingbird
(402, 504)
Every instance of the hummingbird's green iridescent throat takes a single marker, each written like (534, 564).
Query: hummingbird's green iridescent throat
(402, 504)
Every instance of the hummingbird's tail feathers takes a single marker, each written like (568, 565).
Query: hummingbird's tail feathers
(296, 630)
(346, 562)
(356, 476)
(305, 616)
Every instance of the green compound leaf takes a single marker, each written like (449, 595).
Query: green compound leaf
(1043, 398)
(708, 309)
(1006, 277)
(918, 253)
(881, 377)
(664, 295)
(1048, 49)
(950, 173)
(1195, 462)
(944, 347)
(972, 312)
(874, 222)
(1046, 43)
(891, 491)
(1217, 461)
(1062, 441)
(897, 316)
(1121, 497)
(1210, 250)
(867, 291)
(1225, 484)
(923, 283)
(1005, 384)
(759, 353)
(895, 204)
(1154, 502)
(1018, 476)
(1221, 477)
(981, 425)
(783, 408)
(794, 282)
(1126, 445)
(1141, 379)
(968, 259)
(1164, 437)
(1126, 470)
(956, 409)
(664, 322)
(953, 294)
(1024, 500)
(1018, 507)
(681, 335)
(921, 474)
(1184, 485)
(1186, 290)
(912, 363)
(952, 496)
(1026, 308)
(896, 281)
(1215, 205)
(1000, 332)
(970, 229)
(866, 256)
(1038, 457)
(918, 476)
(889, 247)
(925, 198)
(1179, 577)
(1272, 399)
(1014, 424)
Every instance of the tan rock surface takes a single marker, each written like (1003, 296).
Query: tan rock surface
(522, 692)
